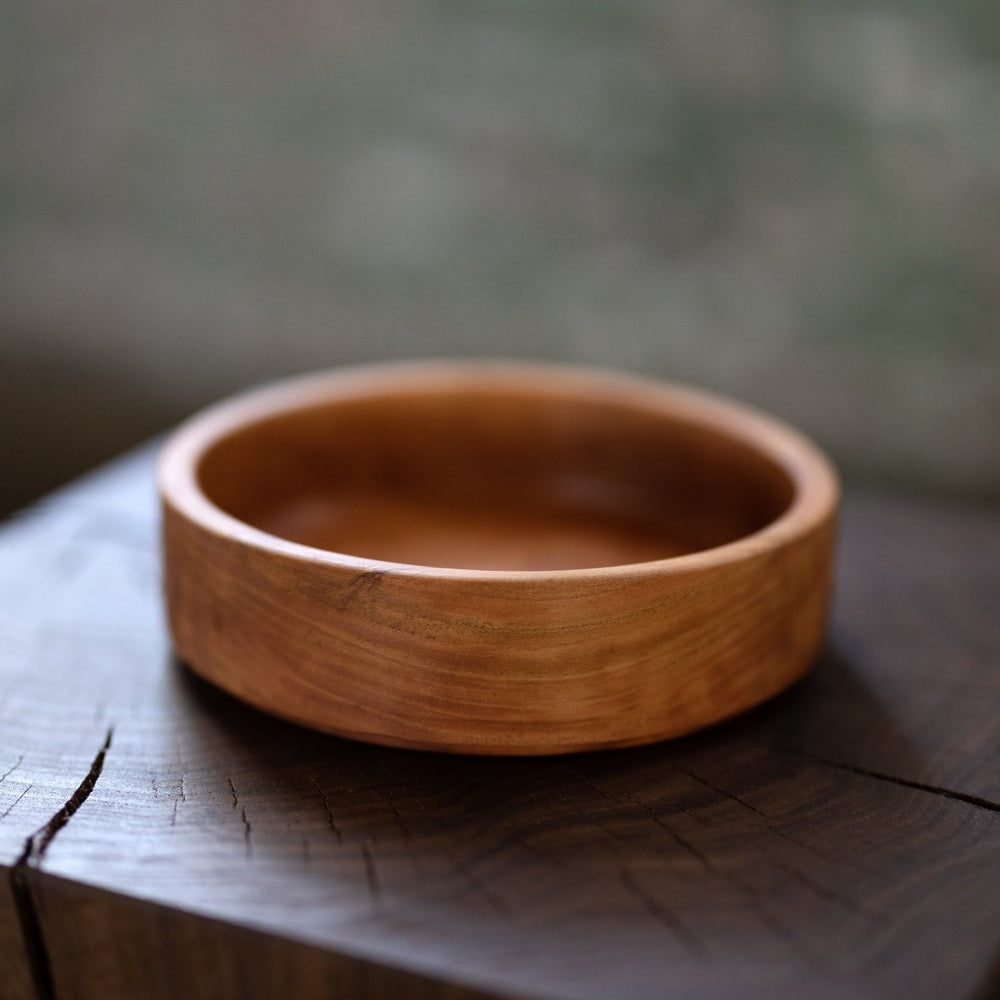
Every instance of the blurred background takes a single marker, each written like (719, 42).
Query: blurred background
(793, 203)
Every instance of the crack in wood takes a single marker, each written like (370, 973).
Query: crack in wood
(496, 902)
(920, 786)
(383, 795)
(247, 833)
(721, 791)
(36, 844)
(371, 877)
(662, 914)
(34, 848)
(10, 770)
(180, 797)
(13, 804)
(327, 808)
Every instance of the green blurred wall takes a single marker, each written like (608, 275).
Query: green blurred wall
(794, 203)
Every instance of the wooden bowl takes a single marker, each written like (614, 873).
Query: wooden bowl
(495, 558)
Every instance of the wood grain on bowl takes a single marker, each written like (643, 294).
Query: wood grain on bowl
(495, 558)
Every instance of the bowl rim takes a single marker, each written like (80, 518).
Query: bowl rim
(816, 487)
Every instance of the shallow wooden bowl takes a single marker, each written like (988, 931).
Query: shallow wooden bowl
(495, 558)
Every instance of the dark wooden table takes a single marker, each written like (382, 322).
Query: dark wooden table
(160, 839)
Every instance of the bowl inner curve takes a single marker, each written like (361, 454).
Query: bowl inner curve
(496, 478)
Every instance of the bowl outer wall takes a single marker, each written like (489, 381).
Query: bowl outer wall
(490, 661)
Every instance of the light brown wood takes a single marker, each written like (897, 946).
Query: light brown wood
(495, 558)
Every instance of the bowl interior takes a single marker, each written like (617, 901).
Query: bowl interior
(494, 478)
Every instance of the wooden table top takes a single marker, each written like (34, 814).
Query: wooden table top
(160, 839)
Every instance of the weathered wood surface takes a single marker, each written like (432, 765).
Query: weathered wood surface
(842, 841)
